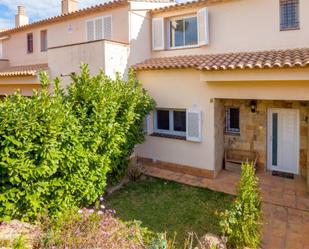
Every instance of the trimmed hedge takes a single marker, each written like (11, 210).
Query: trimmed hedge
(57, 149)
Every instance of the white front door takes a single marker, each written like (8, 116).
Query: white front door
(283, 140)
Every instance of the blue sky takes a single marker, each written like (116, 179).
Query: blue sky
(36, 9)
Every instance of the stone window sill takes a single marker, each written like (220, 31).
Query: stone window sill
(168, 136)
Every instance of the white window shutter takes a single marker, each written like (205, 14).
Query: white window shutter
(107, 20)
(158, 33)
(194, 125)
(203, 26)
(98, 29)
(148, 125)
(90, 30)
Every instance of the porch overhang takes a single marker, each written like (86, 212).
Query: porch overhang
(282, 74)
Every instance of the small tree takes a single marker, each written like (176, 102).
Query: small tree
(57, 149)
(242, 223)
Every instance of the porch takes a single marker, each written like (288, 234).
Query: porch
(275, 131)
(285, 203)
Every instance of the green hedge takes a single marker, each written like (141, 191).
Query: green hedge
(57, 149)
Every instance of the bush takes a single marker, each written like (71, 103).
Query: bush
(56, 150)
(100, 229)
(242, 223)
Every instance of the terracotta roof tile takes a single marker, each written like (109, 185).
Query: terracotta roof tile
(229, 61)
(28, 70)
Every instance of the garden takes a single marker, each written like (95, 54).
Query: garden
(61, 150)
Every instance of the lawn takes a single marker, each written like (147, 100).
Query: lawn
(165, 206)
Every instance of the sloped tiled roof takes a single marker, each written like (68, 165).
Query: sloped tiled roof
(29, 70)
(188, 4)
(245, 60)
(78, 13)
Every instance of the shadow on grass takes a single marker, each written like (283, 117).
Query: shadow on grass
(165, 206)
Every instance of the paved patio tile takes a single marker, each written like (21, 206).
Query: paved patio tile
(285, 204)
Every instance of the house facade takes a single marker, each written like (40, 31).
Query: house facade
(111, 36)
(235, 81)
(227, 75)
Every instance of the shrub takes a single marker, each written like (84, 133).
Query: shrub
(241, 224)
(56, 150)
(73, 229)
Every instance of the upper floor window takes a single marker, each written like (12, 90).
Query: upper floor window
(30, 42)
(183, 32)
(289, 14)
(44, 40)
(99, 28)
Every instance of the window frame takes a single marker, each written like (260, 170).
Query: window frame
(228, 128)
(289, 27)
(169, 32)
(94, 27)
(43, 49)
(171, 130)
(30, 51)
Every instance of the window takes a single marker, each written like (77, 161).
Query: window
(99, 28)
(171, 122)
(289, 14)
(30, 43)
(183, 32)
(44, 40)
(232, 120)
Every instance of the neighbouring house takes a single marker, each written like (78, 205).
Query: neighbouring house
(227, 75)
(111, 36)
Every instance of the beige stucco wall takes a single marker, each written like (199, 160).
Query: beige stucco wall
(243, 25)
(183, 88)
(140, 38)
(58, 34)
(116, 59)
(108, 56)
(15, 49)
(180, 89)
(4, 63)
(9, 85)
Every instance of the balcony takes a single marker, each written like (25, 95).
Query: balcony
(108, 55)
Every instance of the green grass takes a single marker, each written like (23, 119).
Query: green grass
(170, 207)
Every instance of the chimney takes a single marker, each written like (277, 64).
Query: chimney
(21, 18)
(68, 6)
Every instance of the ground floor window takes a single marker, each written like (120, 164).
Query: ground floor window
(170, 122)
(232, 117)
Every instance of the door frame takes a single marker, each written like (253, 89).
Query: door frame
(269, 139)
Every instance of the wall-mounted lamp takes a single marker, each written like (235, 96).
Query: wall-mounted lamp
(68, 75)
(253, 105)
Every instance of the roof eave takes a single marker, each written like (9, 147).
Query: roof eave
(72, 15)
